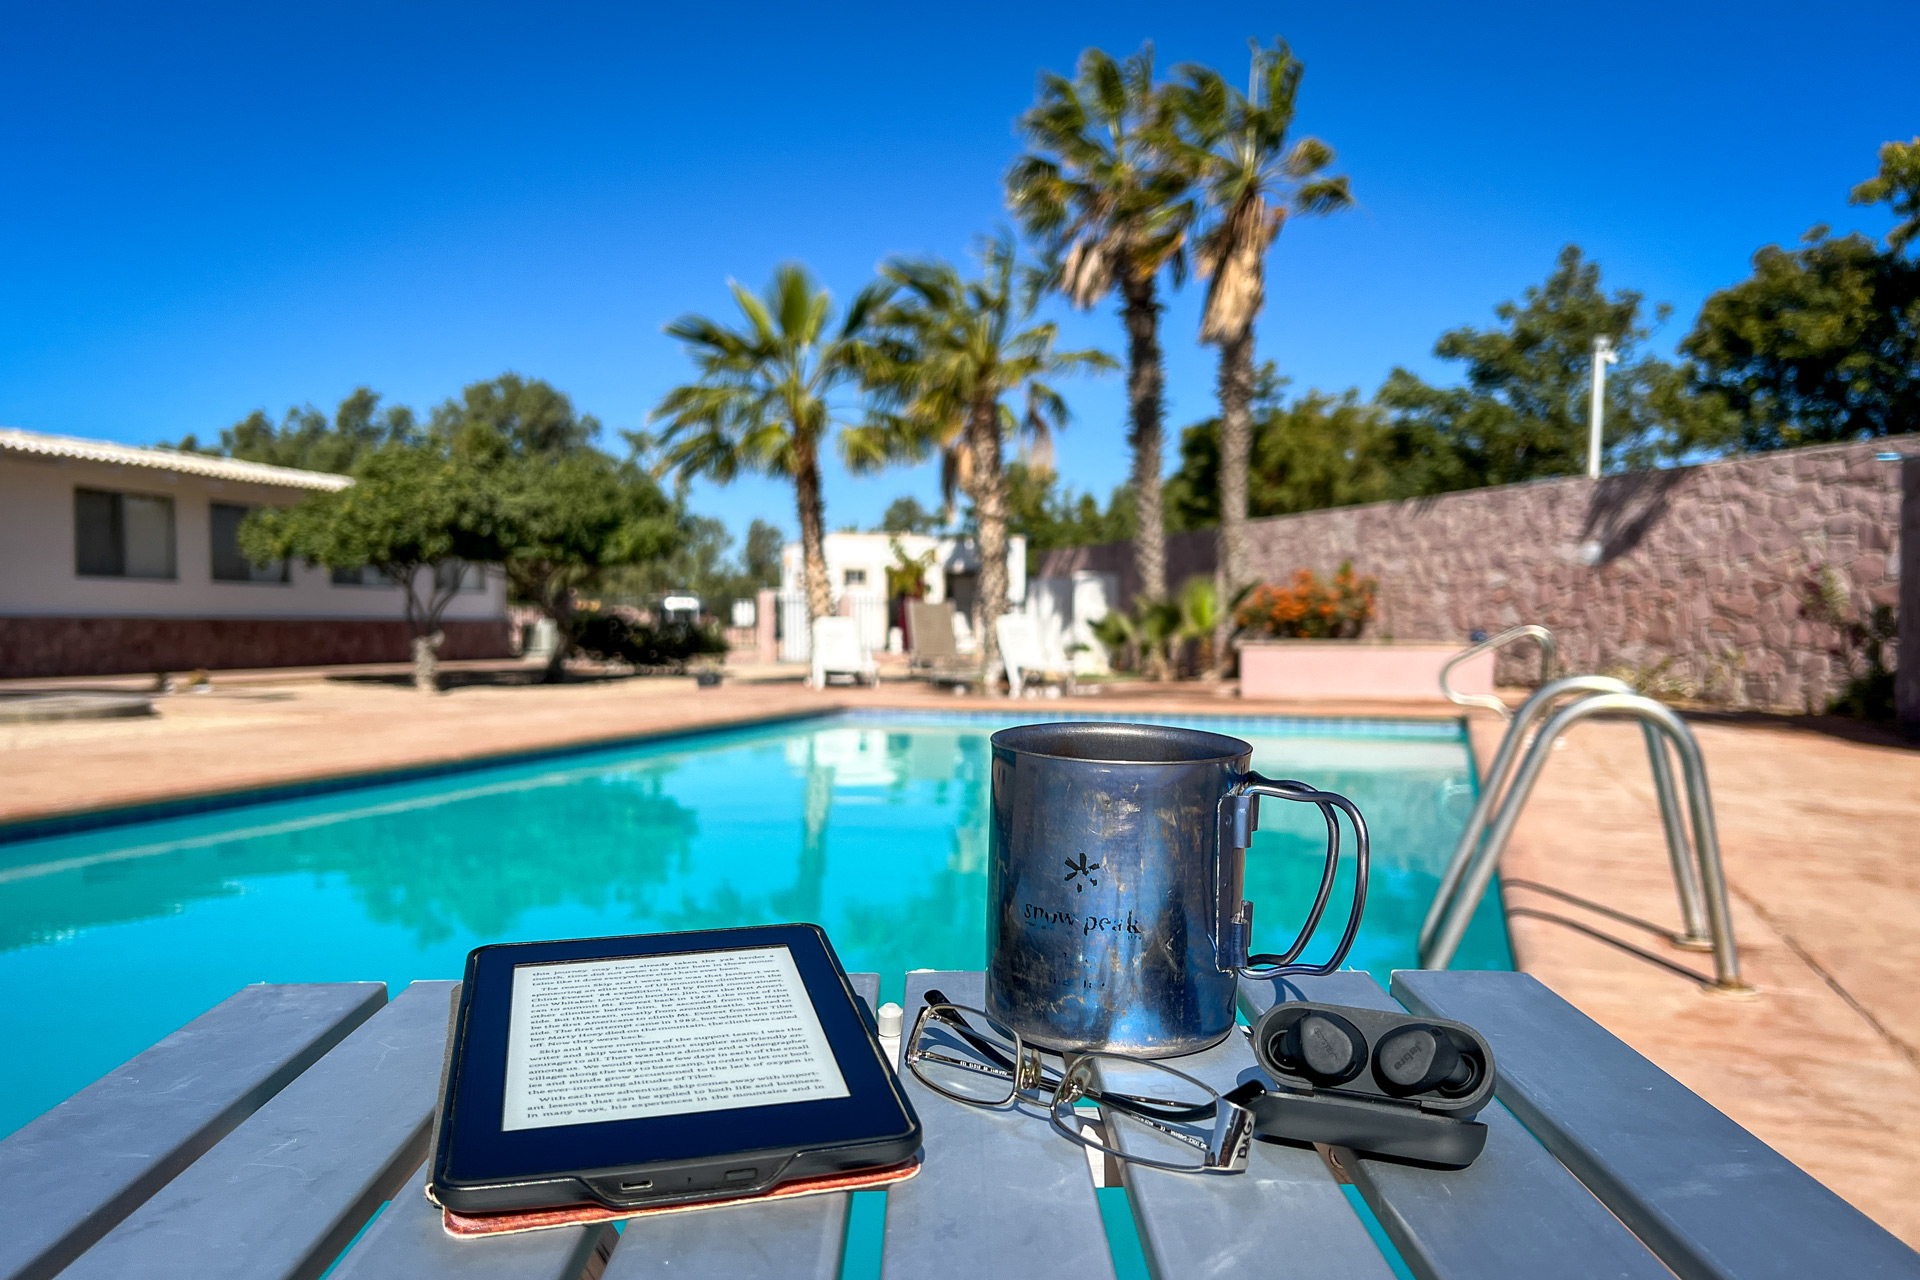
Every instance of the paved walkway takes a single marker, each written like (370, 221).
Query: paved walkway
(1816, 831)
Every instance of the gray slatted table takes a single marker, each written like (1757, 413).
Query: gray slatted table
(75, 1173)
(1513, 1212)
(1707, 1196)
(259, 1140)
(1000, 1195)
(1285, 1205)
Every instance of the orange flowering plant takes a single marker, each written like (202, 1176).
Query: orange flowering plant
(1309, 609)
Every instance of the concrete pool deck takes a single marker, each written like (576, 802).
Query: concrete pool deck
(1823, 1063)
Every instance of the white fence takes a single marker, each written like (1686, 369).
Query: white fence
(796, 641)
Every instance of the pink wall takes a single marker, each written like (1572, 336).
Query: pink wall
(1357, 669)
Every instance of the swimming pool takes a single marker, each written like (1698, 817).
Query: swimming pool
(871, 824)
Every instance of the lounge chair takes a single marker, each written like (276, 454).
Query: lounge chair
(837, 652)
(1026, 659)
(932, 651)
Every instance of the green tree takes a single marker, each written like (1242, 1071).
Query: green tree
(1822, 343)
(1237, 148)
(304, 438)
(764, 399)
(528, 415)
(1898, 186)
(760, 557)
(951, 354)
(1522, 413)
(906, 515)
(1103, 192)
(416, 512)
(565, 511)
(1202, 620)
(565, 519)
(701, 562)
(1050, 516)
(1317, 451)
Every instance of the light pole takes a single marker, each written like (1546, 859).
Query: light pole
(1603, 355)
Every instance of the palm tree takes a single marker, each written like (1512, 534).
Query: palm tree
(947, 356)
(1236, 147)
(1101, 195)
(764, 398)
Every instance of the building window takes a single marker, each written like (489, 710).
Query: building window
(471, 577)
(364, 576)
(122, 535)
(229, 564)
(855, 578)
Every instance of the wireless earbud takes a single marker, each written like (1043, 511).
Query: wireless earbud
(1421, 1059)
(1323, 1047)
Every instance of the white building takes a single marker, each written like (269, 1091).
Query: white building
(120, 559)
(857, 566)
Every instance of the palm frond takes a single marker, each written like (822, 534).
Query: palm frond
(1308, 157)
(1327, 195)
(1236, 146)
(1102, 187)
(757, 313)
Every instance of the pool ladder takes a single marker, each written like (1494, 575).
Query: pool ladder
(1697, 875)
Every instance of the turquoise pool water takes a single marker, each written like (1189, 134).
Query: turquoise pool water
(871, 825)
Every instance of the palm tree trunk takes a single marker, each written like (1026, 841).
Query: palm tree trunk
(813, 552)
(990, 505)
(1236, 448)
(1142, 314)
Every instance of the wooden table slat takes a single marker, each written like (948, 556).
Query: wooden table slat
(281, 1195)
(1515, 1212)
(1002, 1196)
(1705, 1195)
(70, 1176)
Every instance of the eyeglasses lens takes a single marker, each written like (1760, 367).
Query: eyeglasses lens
(965, 1054)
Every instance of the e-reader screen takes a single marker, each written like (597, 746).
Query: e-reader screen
(642, 1036)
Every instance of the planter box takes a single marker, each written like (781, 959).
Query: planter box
(1386, 669)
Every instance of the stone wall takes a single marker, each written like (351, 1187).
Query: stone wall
(1906, 691)
(119, 646)
(1693, 577)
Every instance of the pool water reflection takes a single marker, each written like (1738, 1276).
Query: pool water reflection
(872, 826)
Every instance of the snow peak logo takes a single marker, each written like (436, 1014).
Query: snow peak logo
(1081, 870)
(1040, 917)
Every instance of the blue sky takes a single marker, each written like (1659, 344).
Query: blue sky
(208, 210)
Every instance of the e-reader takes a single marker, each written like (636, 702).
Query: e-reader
(660, 1069)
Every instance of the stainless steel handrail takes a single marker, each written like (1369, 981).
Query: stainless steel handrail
(1549, 659)
(1686, 883)
(1469, 884)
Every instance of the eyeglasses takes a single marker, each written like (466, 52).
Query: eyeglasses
(1154, 1116)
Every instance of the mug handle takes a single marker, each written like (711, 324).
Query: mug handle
(1243, 817)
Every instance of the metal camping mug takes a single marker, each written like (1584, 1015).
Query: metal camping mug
(1116, 854)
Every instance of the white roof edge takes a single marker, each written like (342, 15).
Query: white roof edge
(198, 464)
